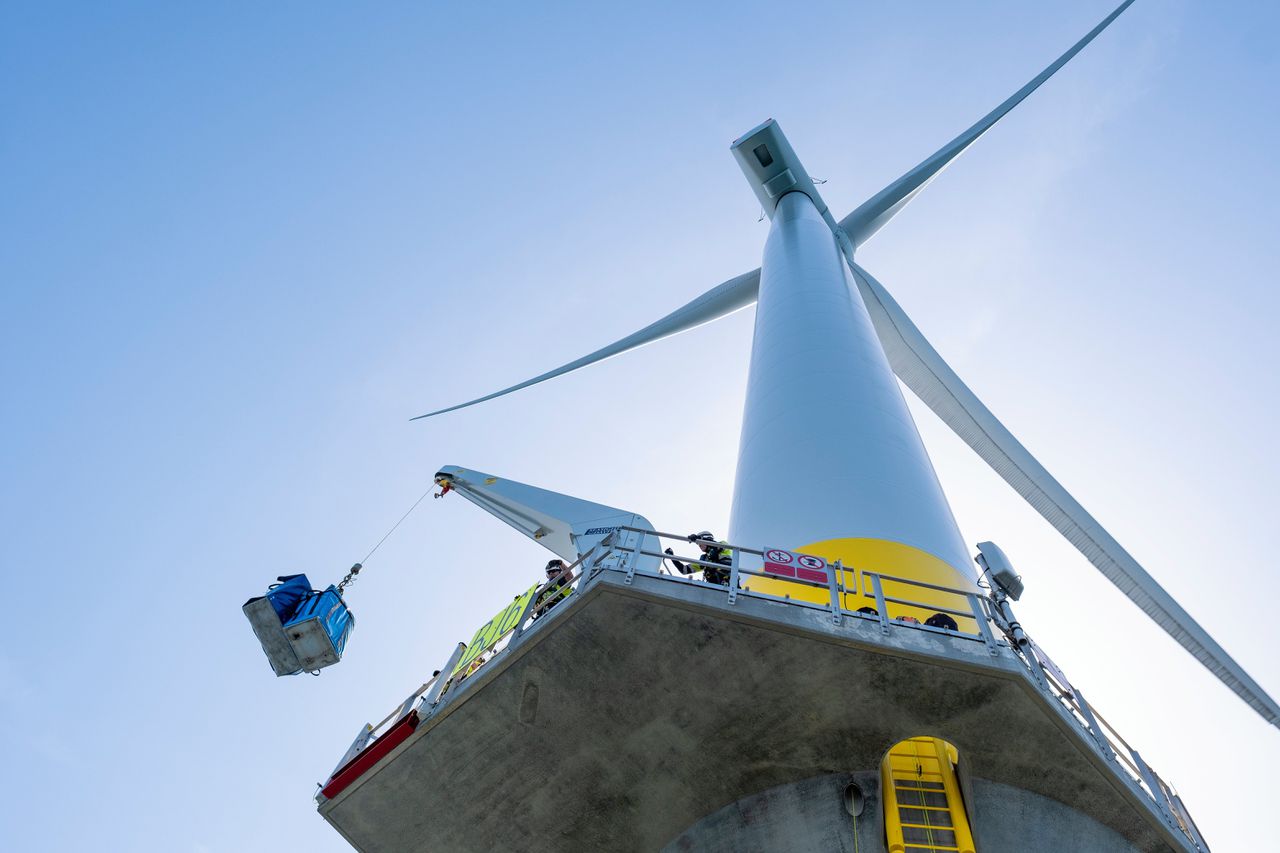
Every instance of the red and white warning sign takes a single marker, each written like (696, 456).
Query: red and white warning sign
(789, 564)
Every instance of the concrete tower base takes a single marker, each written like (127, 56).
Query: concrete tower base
(814, 816)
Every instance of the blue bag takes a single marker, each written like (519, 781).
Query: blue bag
(286, 595)
(319, 629)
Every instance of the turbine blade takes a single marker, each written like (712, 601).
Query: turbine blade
(922, 370)
(733, 295)
(880, 208)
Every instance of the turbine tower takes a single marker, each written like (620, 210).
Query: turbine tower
(823, 405)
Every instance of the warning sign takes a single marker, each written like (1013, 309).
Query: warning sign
(789, 564)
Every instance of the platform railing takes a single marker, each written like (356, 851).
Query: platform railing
(620, 554)
(1115, 748)
(541, 605)
(869, 588)
(428, 698)
(370, 732)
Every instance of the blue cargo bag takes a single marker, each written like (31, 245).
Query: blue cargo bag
(319, 629)
(286, 595)
(300, 629)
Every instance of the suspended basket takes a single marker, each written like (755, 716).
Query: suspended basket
(300, 629)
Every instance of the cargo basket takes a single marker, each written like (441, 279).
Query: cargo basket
(300, 629)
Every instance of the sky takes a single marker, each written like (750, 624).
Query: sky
(241, 244)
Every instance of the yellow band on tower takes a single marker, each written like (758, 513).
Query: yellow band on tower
(890, 560)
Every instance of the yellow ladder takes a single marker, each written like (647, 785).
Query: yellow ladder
(923, 809)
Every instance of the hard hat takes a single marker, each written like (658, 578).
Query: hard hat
(552, 565)
(706, 534)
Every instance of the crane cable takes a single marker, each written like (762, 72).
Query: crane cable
(355, 570)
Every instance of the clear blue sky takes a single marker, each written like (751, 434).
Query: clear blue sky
(242, 244)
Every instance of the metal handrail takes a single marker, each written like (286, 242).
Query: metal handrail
(527, 616)
(744, 549)
(1114, 746)
(889, 599)
(532, 611)
(1086, 715)
(924, 584)
(368, 733)
(692, 561)
(841, 593)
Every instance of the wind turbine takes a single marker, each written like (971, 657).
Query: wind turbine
(829, 339)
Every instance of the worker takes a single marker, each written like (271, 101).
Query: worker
(712, 552)
(480, 661)
(556, 589)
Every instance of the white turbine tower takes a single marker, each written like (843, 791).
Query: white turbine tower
(823, 405)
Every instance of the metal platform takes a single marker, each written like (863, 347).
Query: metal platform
(646, 702)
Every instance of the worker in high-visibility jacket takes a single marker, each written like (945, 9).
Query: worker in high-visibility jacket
(712, 552)
(556, 589)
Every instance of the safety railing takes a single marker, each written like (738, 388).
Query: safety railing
(538, 603)
(1112, 744)
(852, 593)
(370, 732)
(871, 592)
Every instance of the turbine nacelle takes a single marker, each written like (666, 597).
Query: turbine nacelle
(772, 168)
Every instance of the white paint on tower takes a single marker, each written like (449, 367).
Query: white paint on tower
(828, 448)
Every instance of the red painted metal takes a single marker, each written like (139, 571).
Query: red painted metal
(370, 755)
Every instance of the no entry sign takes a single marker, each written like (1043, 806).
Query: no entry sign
(789, 564)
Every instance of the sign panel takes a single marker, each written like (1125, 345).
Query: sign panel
(1057, 674)
(493, 630)
(789, 564)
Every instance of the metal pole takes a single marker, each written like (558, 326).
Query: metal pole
(633, 559)
(1016, 633)
(984, 629)
(733, 576)
(528, 606)
(1087, 713)
(444, 678)
(881, 608)
(1190, 825)
(1157, 793)
(366, 734)
(835, 594)
(844, 591)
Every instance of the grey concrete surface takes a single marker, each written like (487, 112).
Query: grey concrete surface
(635, 711)
(802, 817)
(810, 817)
(1010, 820)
